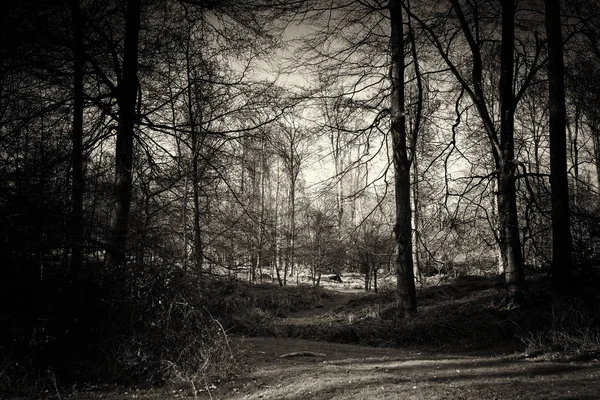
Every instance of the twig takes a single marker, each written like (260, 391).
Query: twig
(302, 353)
(194, 388)
(55, 385)
(207, 388)
(224, 334)
(222, 330)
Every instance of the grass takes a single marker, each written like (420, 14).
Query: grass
(448, 317)
(572, 327)
(254, 309)
(464, 314)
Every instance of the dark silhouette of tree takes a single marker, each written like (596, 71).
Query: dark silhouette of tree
(77, 140)
(127, 89)
(561, 226)
(507, 198)
(407, 298)
(501, 140)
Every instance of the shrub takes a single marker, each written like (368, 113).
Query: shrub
(570, 326)
(145, 329)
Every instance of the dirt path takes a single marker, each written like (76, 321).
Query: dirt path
(338, 372)
(355, 372)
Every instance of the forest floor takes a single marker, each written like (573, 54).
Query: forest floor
(285, 368)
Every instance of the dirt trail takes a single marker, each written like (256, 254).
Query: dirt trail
(355, 372)
(339, 371)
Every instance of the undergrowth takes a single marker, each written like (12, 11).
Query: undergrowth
(571, 326)
(255, 309)
(138, 330)
(176, 330)
(465, 314)
(448, 318)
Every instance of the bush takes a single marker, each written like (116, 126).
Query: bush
(571, 326)
(145, 329)
(252, 309)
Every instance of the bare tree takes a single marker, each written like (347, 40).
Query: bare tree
(77, 140)
(501, 140)
(561, 226)
(407, 303)
(507, 199)
(126, 97)
(292, 148)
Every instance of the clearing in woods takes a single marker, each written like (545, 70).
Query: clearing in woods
(281, 368)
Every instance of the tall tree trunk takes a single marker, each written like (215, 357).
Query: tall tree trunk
(561, 225)
(407, 299)
(495, 226)
(596, 139)
(77, 143)
(198, 245)
(126, 88)
(338, 163)
(292, 225)
(414, 140)
(507, 199)
(277, 256)
(182, 168)
(502, 149)
(416, 220)
(195, 131)
(572, 146)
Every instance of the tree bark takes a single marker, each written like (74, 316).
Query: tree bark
(407, 299)
(561, 226)
(507, 199)
(292, 223)
(126, 98)
(196, 142)
(261, 225)
(416, 220)
(277, 255)
(596, 139)
(496, 224)
(77, 143)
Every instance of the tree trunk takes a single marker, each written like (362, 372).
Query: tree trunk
(596, 138)
(195, 132)
(338, 164)
(502, 149)
(415, 220)
(561, 226)
(507, 199)
(261, 223)
(198, 248)
(573, 146)
(407, 299)
(496, 224)
(77, 143)
(414, 140)
(292, 222)
(277, 260)
(367, 268)
(127, 87)
(375, 288)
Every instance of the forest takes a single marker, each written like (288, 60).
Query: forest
(178, 174)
